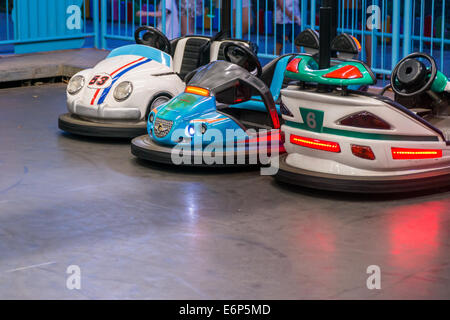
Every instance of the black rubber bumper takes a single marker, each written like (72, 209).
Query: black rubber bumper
(76, 125)
(382, 185)
(144, 148)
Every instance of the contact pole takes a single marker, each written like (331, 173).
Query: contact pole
(226, 16)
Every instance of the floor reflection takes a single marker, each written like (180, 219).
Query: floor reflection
(414, 233)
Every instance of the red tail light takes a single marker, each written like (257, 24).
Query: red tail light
(413, 154)
(293, 65)
(363, 152)
(315, 144)
(197, 90)
(365, 120)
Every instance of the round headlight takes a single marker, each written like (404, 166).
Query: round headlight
(123, 91)
(75, 84)
(190, 130)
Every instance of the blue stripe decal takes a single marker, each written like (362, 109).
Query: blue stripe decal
(116, 77)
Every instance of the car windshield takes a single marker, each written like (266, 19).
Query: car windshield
(214, 75)
(143, 51)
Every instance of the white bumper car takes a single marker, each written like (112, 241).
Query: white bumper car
(114, 98)
(342, 140)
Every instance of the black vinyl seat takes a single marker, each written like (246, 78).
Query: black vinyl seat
(222, 43)
(189, 53)
(309, 40)
(346, 46)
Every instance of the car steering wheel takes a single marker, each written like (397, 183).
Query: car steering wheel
(243, 57)
(153, 38)
(411, 77)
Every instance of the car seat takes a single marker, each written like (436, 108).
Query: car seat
(189, 53)
(309, 40)
(346, 46)
(216, 49)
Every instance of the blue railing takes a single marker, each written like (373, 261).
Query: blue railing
(30, 25)
(403, 27)
(400, 26)
(7, 34)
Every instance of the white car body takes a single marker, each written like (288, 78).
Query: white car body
(149, 78)
(405, 132)
(114, 98)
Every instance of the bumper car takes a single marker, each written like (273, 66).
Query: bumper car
(226, 116)
(114, 98)
(352, 141)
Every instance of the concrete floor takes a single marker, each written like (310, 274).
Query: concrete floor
(145, 231)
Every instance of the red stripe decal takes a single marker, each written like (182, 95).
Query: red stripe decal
(98, 90)
(140, 59)
(95, 96)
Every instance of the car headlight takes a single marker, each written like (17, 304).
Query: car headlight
(190, 129)
(123, 91)
(75, 84)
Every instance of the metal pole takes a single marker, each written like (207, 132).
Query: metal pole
(163, 16)
(396, 33)
(96, 29)
(304, 11)
(238, 21)
(333, 4)
(325, 37)
(226, 16)
(407, 24)
(373, 37)
(103, 24)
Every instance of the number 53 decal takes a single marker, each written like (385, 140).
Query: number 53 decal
(100, 81)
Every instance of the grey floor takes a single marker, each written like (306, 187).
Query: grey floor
(145, 231)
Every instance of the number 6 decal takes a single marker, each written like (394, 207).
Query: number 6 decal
(313, 119)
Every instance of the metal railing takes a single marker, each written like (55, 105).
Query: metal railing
(30, 25)
(402, 27)
(7, 35)
(395, 28)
